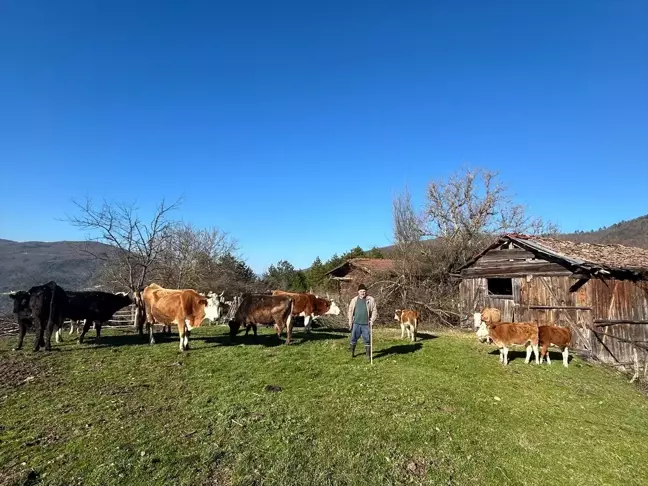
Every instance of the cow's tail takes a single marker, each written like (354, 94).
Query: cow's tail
(50, 318)
(288, 318)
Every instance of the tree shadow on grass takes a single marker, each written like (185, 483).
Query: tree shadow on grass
(398, 349)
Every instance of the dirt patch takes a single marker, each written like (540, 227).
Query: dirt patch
(18, 475)
(18, 369)
(417, 466)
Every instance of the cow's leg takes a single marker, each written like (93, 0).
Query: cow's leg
(565, 354)
(86, 328)
(22, 329)
(288, 329)
(48, 338)
(187, 334)
(528, 354)
(149, 327)
(40, 331)
(182, 333)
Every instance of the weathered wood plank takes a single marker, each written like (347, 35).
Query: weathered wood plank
(611, 322)
(515, 269)
(549, 307)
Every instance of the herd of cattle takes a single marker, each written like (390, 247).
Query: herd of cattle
(45, 308)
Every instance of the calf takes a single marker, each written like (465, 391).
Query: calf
(506, 334)
(408, 320)
(185, 308)
(309, 306)
(263, 309)
(556, 336)
(43, 308)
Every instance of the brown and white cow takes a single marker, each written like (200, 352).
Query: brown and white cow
(554, 336)
(507, 334)
(309, 306)
(408, 320)
(184, 307)
(256, 309)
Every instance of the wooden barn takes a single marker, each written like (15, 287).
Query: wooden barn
(355, 271)
(599, 291)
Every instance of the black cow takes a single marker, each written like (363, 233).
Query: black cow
(94, 306)
(42, 307)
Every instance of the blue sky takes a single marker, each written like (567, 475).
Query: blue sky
(292, 125)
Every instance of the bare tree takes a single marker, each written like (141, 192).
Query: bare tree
(136, 244)
(462, 215)
(189, 257)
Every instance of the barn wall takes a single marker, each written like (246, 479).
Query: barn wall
(585, 309)
(619, 300)
(473, 295)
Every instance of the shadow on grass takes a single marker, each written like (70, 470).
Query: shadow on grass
(118, 340)
(271, 340)
(518, 354)
(398, 349)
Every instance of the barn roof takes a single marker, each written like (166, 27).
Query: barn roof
(369, 265)
(588, 258)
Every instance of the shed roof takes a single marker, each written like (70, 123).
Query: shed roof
(589, 258)
(369, 265)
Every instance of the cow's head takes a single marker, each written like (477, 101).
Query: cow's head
(20, 301)
(334, 310)
(482, 332)
(397, 314)
(234, 327)
(326, 307)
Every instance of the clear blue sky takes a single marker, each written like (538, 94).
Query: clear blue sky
(291, 125)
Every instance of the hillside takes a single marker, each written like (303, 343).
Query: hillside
(24, 264)
(630, 233)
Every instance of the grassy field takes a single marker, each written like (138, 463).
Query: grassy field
(440, 411)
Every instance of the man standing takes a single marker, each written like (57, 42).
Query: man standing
(362, 314)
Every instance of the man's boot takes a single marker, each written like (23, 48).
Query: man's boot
(352, 349)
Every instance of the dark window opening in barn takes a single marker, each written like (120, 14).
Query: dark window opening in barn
(500, 286)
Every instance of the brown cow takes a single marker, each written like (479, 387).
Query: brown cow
(408, 320)
(556, 336)
(185, 308)
(309, 306)
(506, 334)
(263, 309)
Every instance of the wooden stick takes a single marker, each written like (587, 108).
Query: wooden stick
(371, 343)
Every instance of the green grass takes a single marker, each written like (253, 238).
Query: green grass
(124, 412)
